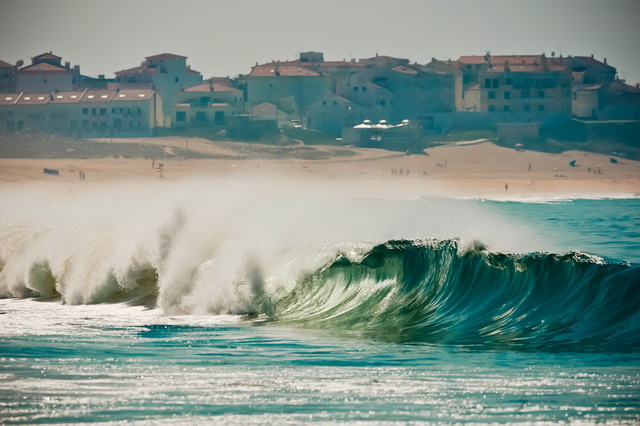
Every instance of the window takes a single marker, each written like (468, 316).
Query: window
(335, 103)
(103, 111)
(487, 83)
(492, 108)
(541, 93)
(383, 102)
(468, 67)
(324, 102)
(201, 117)
(85, 111)
(177, 80)
(355, 88)
(526, 94)
(9, 113)
(507, 95)
(527, 107)
(506, 108)
(94, 111)
(44, 79)
(507, 81)
(495, 83)
(540, 107)
(492, 94)
(364, 89)
(181, 116)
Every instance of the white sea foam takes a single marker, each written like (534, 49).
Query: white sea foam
(214, 245)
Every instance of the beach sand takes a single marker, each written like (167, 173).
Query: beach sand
(464, 169)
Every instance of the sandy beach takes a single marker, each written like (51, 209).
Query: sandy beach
(472, 169)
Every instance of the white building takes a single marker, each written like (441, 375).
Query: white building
(90, 113)
(168, 74)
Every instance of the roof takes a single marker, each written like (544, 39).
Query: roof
(500, 59)
(166, 56)
(405, 70)
(132, 94)
(34, 99)
(44, 67)
(47, 55)
(98, 96)
(66, 97)
(282, 69)
(207, 87)
(138, 70)
(9, 98)
(525, 68)
(4, 64)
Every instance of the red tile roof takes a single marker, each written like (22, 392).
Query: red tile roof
(9, 98)
(47, 55)
(206, 87)
(137, 70)
(98, 95)
(4, 64)
(406, 70)
(500, 59)
(66, 97)
(132, 95)
(34, 99)
(44, 66)
(525, 68)
(166, 56)
(286, 69)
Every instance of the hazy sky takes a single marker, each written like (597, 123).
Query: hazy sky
(227, 37)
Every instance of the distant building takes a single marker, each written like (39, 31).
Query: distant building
(7, 77)
(207, 104)
(166, 73)
(88, 113)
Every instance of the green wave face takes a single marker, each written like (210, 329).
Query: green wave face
(430, 292)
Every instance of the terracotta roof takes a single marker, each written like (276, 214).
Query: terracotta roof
(9, 98)
(132, 95)
(206, 87)
(166, 56)
(4, 64)
(406, 70)
(98, 95)
(589, 87)
(138, 70)
(47, 55)
(190, 71)
(220, 104)
(67, 97)
(526, 68)
(34, 99)
(44, 66)
(339, 64)
(283, 69)
(500, 59)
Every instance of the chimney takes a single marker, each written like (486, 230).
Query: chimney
(67, 65)
(592, 56)
(638, 86)
(506, 65)
(605, 61)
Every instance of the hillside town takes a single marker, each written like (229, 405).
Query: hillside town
(359, 101)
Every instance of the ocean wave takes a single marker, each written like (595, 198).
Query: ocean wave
(426, 291)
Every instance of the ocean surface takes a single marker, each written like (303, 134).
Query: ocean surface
(252, 303)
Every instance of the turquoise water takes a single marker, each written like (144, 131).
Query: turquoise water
(449, 311)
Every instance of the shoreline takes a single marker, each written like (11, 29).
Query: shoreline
(460, 170)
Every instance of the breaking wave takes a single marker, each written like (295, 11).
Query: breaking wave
(200, 256)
